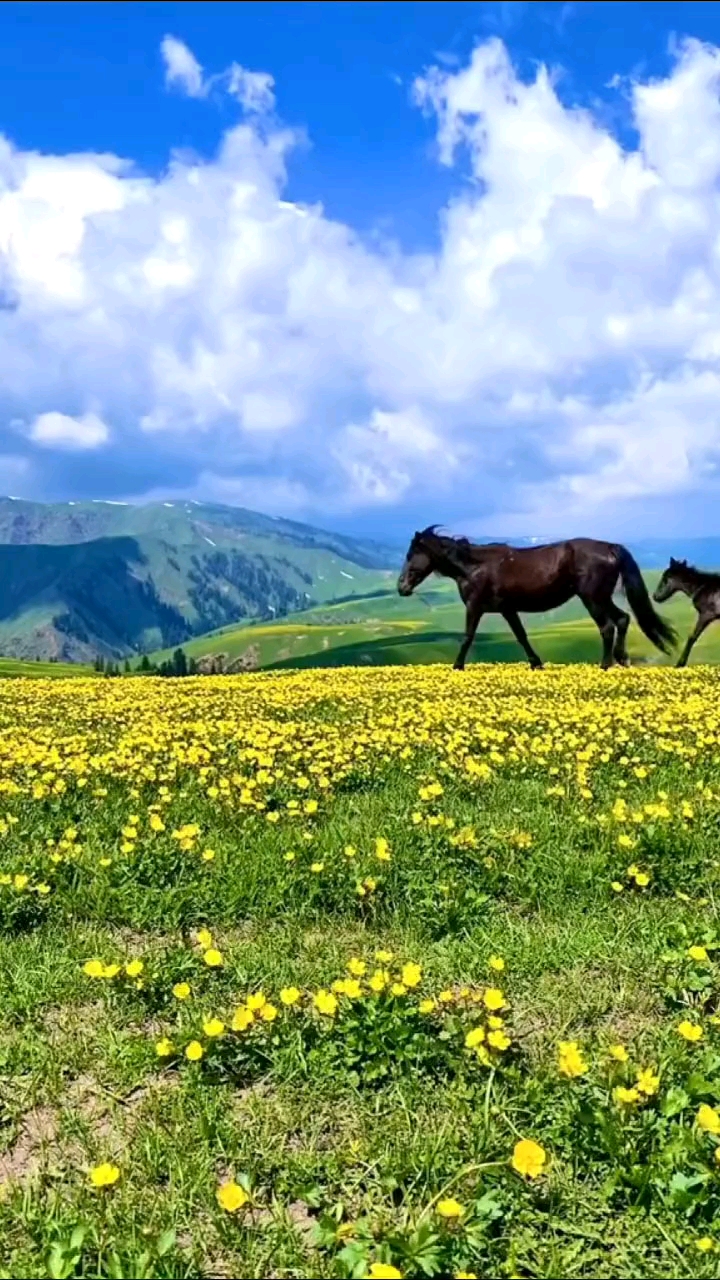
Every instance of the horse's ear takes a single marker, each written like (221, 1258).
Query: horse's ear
(674, 564)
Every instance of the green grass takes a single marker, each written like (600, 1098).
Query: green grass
(347, 1131)
(11, 668)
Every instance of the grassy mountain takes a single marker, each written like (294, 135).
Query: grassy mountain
(78, 579)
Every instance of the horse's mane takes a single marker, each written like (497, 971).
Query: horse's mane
(458, 547)
(691, 571)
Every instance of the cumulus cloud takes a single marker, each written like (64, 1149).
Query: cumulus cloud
(558, 354)
(62, 431)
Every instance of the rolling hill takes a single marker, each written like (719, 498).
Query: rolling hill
(82, 579)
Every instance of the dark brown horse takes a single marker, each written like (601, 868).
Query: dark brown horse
(497, 578)
(702, 588)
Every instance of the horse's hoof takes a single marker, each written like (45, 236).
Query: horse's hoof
(537, 666)
(458, 666)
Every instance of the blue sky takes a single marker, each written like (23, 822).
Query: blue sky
(372, 304)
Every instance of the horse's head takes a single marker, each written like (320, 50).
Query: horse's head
(671, 581)
(419, 563)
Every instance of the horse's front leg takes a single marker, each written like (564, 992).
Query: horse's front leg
(473, 614)
(521, 636)
(701, 624)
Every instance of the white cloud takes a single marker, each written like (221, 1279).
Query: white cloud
(254, 90)
(59, 430)
(182, 68)
(560, 352)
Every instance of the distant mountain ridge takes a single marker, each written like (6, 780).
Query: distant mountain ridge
(82, 579)
(87, 578)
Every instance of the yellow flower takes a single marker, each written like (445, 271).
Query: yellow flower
(164, 1048)
(411, 975)
(499, 1040)
(446, 997)
(213, 958)
(268, 1013)
(642, 879)
(528, 1158)
(705, 1244)
(493, 999)
(326, 1003)
(708, 1119)
(382, 849)
(450, 1209)
(213, 1027)
(356, 967)
(697, 953)
(289, 995)
(625, 1097)
(570, 1060)
(497, 963)
(647, 1082)
(616, 886)
(384, 1271)
(242, 1019)
(255, 1001)
(110, 970)
(379, 980)
(384, 957)
(94, 968)
(134, 968)
(352, 989)
(104, 1175)
(231, 1197)
(204, 938)
(689, 1031)
(474, 1037)
(317, 867)
(427, 1006)
(398, 989)
(181, 991)
(618, 1052)
(310, 806)
(194, 1051)
(208, 855)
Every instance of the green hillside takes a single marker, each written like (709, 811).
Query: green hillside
(387, 629)
(82, 579)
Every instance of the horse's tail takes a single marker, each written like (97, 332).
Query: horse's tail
(656, 628)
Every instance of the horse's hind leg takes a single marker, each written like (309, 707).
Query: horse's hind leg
(621, 620)
(601, 616)
(520, 634)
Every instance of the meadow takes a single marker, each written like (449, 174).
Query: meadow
(381, 629)
(392, 972)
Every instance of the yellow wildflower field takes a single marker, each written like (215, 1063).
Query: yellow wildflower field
(391, 972)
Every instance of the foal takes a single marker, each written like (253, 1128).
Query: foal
(702, 588)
